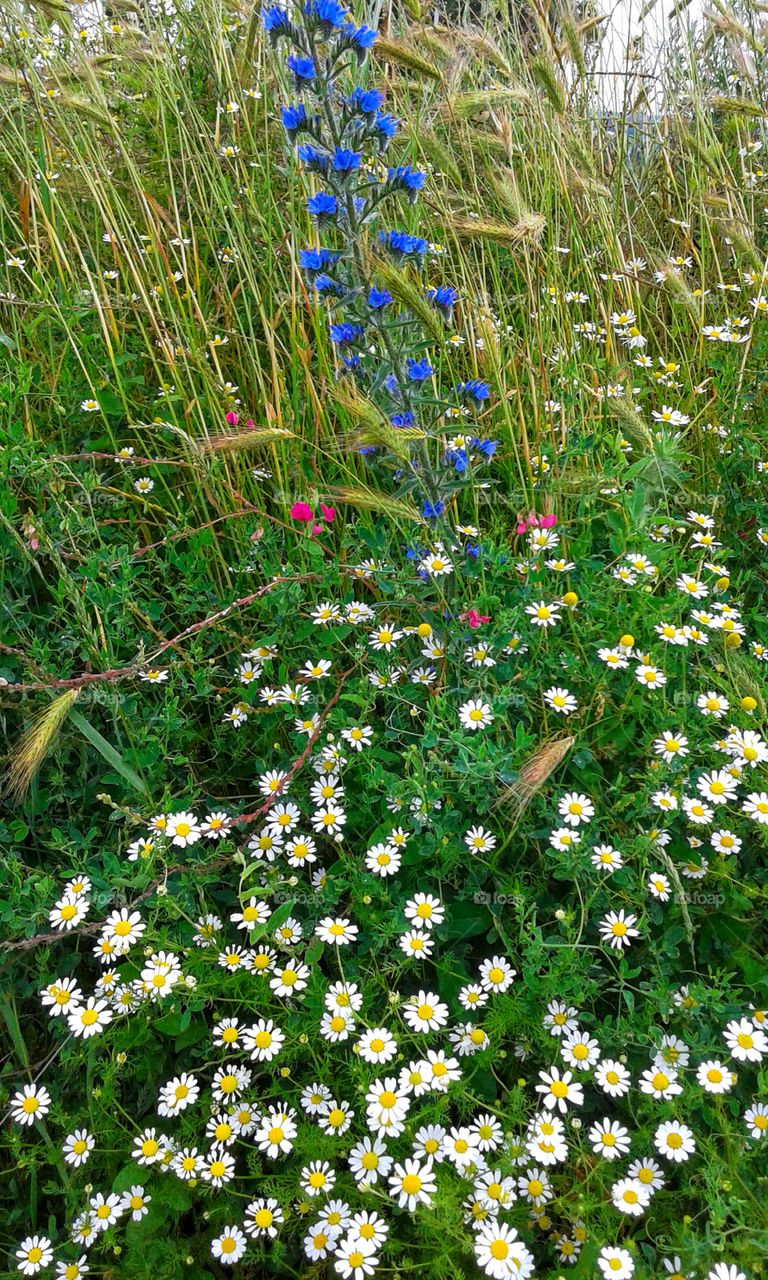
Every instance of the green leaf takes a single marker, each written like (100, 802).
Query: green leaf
(313, 952)
(110, 754)
(281, 914)
(173, 1023)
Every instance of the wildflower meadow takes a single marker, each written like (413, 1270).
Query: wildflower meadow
(384, 548)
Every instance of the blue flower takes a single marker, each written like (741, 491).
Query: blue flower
(302, 68)
(329, 12)
(351, 362)
(316, 161)
(406, 419)
(276, 22)
(444, 298)
(473, 550)
(317, 259)
(400, 245)
(343, 333)
(294, 118)
(367, 101)
(431, 510)
(458, 459)
(360, 38)
(419, 370)
(345, 161)
(474, 390)
(386, 126)
(323, 205)
(324, 284)
(486, 447)
(378, 298)
(392, 385)
(404, 178)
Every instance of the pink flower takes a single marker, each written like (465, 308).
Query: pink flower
(316, 528)
(329, 513)
(300, 511)
(535, 522)
(232, 418)
(475, 619)
(250, 424)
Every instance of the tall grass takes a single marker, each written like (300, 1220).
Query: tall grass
(158, 229)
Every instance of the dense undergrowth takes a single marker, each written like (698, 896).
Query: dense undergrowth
(385, 796)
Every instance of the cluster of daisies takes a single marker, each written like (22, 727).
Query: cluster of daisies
(385, 1142)
(696, 611)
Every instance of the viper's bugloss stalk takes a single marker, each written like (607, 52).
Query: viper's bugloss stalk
(341, 133)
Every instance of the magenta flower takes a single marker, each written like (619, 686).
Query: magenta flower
(300, 511)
